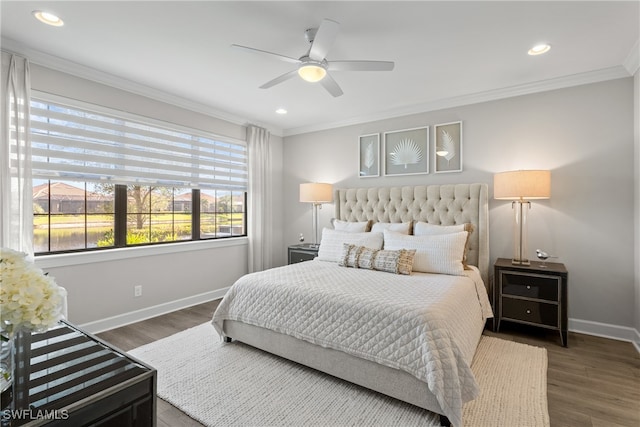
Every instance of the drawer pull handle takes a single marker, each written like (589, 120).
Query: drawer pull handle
(528, 311)
(528, 286)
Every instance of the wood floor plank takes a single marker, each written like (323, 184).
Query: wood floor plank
(595, 382)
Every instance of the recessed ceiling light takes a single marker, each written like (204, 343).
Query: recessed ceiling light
(539, 49)
(281, 111)
(48, 18)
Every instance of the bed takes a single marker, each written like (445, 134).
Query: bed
(411, 337)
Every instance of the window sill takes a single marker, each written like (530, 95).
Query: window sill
(78, 258)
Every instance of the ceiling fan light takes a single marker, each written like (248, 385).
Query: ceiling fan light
(312, 73)
(442, 153)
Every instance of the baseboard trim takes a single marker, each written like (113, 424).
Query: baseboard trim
(149, 312)
(636, 340)
(605, 330)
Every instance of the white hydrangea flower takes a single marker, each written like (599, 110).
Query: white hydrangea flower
(29, 299)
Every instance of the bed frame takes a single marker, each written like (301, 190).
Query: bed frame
(435, 204)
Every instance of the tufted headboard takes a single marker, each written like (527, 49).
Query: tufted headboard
(436, 204)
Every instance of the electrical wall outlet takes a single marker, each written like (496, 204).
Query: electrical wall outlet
(137, 291)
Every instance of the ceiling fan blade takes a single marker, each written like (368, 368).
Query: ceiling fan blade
(331, 86)
(323, 39)
(280, 79)
(361, 65)
(264, 52)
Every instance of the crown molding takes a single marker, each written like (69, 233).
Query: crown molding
(88, 73)
(632, 62)
(629, 67)
(458, 101)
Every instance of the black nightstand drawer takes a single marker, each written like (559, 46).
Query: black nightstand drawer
(302, 252)
(531, 285)
(530, 311)
(298, 256)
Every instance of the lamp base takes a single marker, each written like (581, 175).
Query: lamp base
(520, 262)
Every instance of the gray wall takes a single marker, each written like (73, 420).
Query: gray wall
(103, 287)
(583, 134)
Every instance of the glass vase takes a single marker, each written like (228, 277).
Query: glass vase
(6, 362)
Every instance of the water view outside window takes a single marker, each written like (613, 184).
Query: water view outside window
(70, 215)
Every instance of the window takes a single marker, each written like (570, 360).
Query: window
(154, 214)
(69, 215)
(222, 213)
(103, 180)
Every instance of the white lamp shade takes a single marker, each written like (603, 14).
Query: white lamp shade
(522, 185)
(315, 192)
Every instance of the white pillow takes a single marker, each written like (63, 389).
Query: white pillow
(398, 227)
(351, 227)
(332, 242)
(441, 253)
(425, 229)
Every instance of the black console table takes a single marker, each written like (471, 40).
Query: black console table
(74, 378)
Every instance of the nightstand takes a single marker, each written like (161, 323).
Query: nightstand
(532, 295)
(302, 252)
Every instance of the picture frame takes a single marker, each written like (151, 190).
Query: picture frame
(447, 147)
(369, 155)
(406, 152)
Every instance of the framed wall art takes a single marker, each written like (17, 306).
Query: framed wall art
(369, 155)
(448, 147)
(406, 152)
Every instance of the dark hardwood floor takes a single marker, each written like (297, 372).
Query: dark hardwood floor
(595, 382)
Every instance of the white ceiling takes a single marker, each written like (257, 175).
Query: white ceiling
(445, 52)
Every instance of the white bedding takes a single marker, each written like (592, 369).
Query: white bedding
(425, 324)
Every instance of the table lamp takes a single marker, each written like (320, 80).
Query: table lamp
(317, 194)
(521, 186)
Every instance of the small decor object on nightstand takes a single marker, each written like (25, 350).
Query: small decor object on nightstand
(542, 255)
(532, 295)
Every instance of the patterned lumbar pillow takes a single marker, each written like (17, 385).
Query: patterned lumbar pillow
(397, 262)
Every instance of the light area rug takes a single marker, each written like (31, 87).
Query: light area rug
(232, 384)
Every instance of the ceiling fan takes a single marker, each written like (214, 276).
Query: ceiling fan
(314, 66)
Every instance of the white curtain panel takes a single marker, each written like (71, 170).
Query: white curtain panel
(16, 198)
(260, 225)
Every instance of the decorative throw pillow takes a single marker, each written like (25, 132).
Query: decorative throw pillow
(350, 255)
(367, 258)
(351, 227)
(434, 254)
(425, 229)
(398, 227)
(331, 245)
(397, 262)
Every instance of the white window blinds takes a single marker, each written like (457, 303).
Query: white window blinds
(72, 142)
